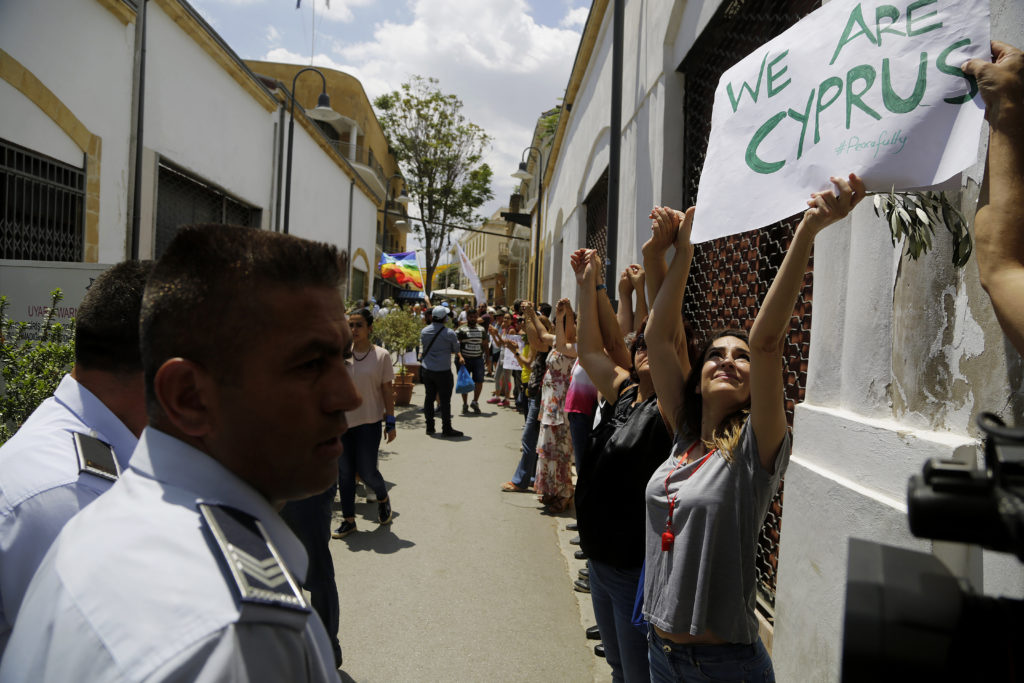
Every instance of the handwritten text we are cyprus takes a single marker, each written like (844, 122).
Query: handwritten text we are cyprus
(858, 93)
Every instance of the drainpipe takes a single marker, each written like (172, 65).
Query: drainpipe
(615, 145)
(348, 278)
(139, 87)
(280, 166)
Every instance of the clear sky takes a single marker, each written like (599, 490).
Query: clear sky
(507, 60)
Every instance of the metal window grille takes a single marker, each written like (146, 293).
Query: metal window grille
(730, 276)
(597, 217)
(185, 200)
(42, 206)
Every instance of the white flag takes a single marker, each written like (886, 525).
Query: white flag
(470, 271)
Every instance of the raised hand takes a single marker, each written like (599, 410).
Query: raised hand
(637, 276)
(664, 223)
(685, 226)
(1001, 83)
(828, 207)
(580, 260)
(625, 282)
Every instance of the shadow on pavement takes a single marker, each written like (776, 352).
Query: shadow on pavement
(456, 439)
(381, 540)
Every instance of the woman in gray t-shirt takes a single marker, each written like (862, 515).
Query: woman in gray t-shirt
(706, 503)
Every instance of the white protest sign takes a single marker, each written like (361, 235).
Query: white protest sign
(871, 87)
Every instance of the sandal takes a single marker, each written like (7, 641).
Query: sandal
(509, 487)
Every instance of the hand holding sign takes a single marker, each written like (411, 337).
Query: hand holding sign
(999, 226)
(1001, 83)
(828, 207)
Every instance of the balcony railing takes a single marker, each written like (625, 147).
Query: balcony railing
(362, 155)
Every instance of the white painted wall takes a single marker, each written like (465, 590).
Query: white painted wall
(197, 116)
(83, 54)
(21, 121)
(903, 356)
(200, 118)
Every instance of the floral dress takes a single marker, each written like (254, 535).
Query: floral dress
(554, 449)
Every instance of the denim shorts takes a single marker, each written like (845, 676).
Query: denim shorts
(733, 662)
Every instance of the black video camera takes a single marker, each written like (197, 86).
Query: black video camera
(907, 617)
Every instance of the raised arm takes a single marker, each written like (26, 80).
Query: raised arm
(654, 251)
(638, 276)
(624, 311)
(768, 335)
(611, 333)
(538, 336)
(999, 226)
(606, 375)
(563, 320)
(665, 334)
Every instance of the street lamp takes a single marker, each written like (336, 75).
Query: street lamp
(523, 174)
(402, 199)
(322, 112)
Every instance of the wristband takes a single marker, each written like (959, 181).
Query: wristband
(389, 420)
(600, 287)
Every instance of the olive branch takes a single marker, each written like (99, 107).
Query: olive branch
(913, 215)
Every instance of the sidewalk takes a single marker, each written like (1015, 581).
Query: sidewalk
(468, 583)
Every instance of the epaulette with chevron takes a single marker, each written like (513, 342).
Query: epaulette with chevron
(252, 559)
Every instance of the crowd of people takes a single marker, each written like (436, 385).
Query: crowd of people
(221, 395)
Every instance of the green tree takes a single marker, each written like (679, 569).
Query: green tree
(440, 154)
(32, 363)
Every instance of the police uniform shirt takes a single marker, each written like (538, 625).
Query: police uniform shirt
(136, 588)
(42, 485)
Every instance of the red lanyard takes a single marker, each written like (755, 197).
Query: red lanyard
(668, 538)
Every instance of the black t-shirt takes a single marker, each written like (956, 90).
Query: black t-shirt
(473, 340)
(625, 448)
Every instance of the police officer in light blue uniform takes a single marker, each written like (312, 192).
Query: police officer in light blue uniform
(184, 570)
(72, 448)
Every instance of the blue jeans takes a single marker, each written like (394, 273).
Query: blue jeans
(613, 590)
(579, 432)
(310, 520)
(527, 467)
(360, 455)
(672, 662)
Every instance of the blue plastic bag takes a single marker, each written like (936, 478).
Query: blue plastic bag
(465, 383)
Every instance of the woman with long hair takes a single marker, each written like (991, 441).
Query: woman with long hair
(625, 448)
(502, 377)
(554, 451)
(707, 501)
(372, 373)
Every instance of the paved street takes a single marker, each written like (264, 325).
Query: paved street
(468, 583)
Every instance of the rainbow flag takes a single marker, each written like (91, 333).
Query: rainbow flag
(438, 271)
(402, 269)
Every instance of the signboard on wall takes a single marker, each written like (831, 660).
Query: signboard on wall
(27, 286)
(871, 87)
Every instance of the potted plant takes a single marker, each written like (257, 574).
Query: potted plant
(399, 331)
